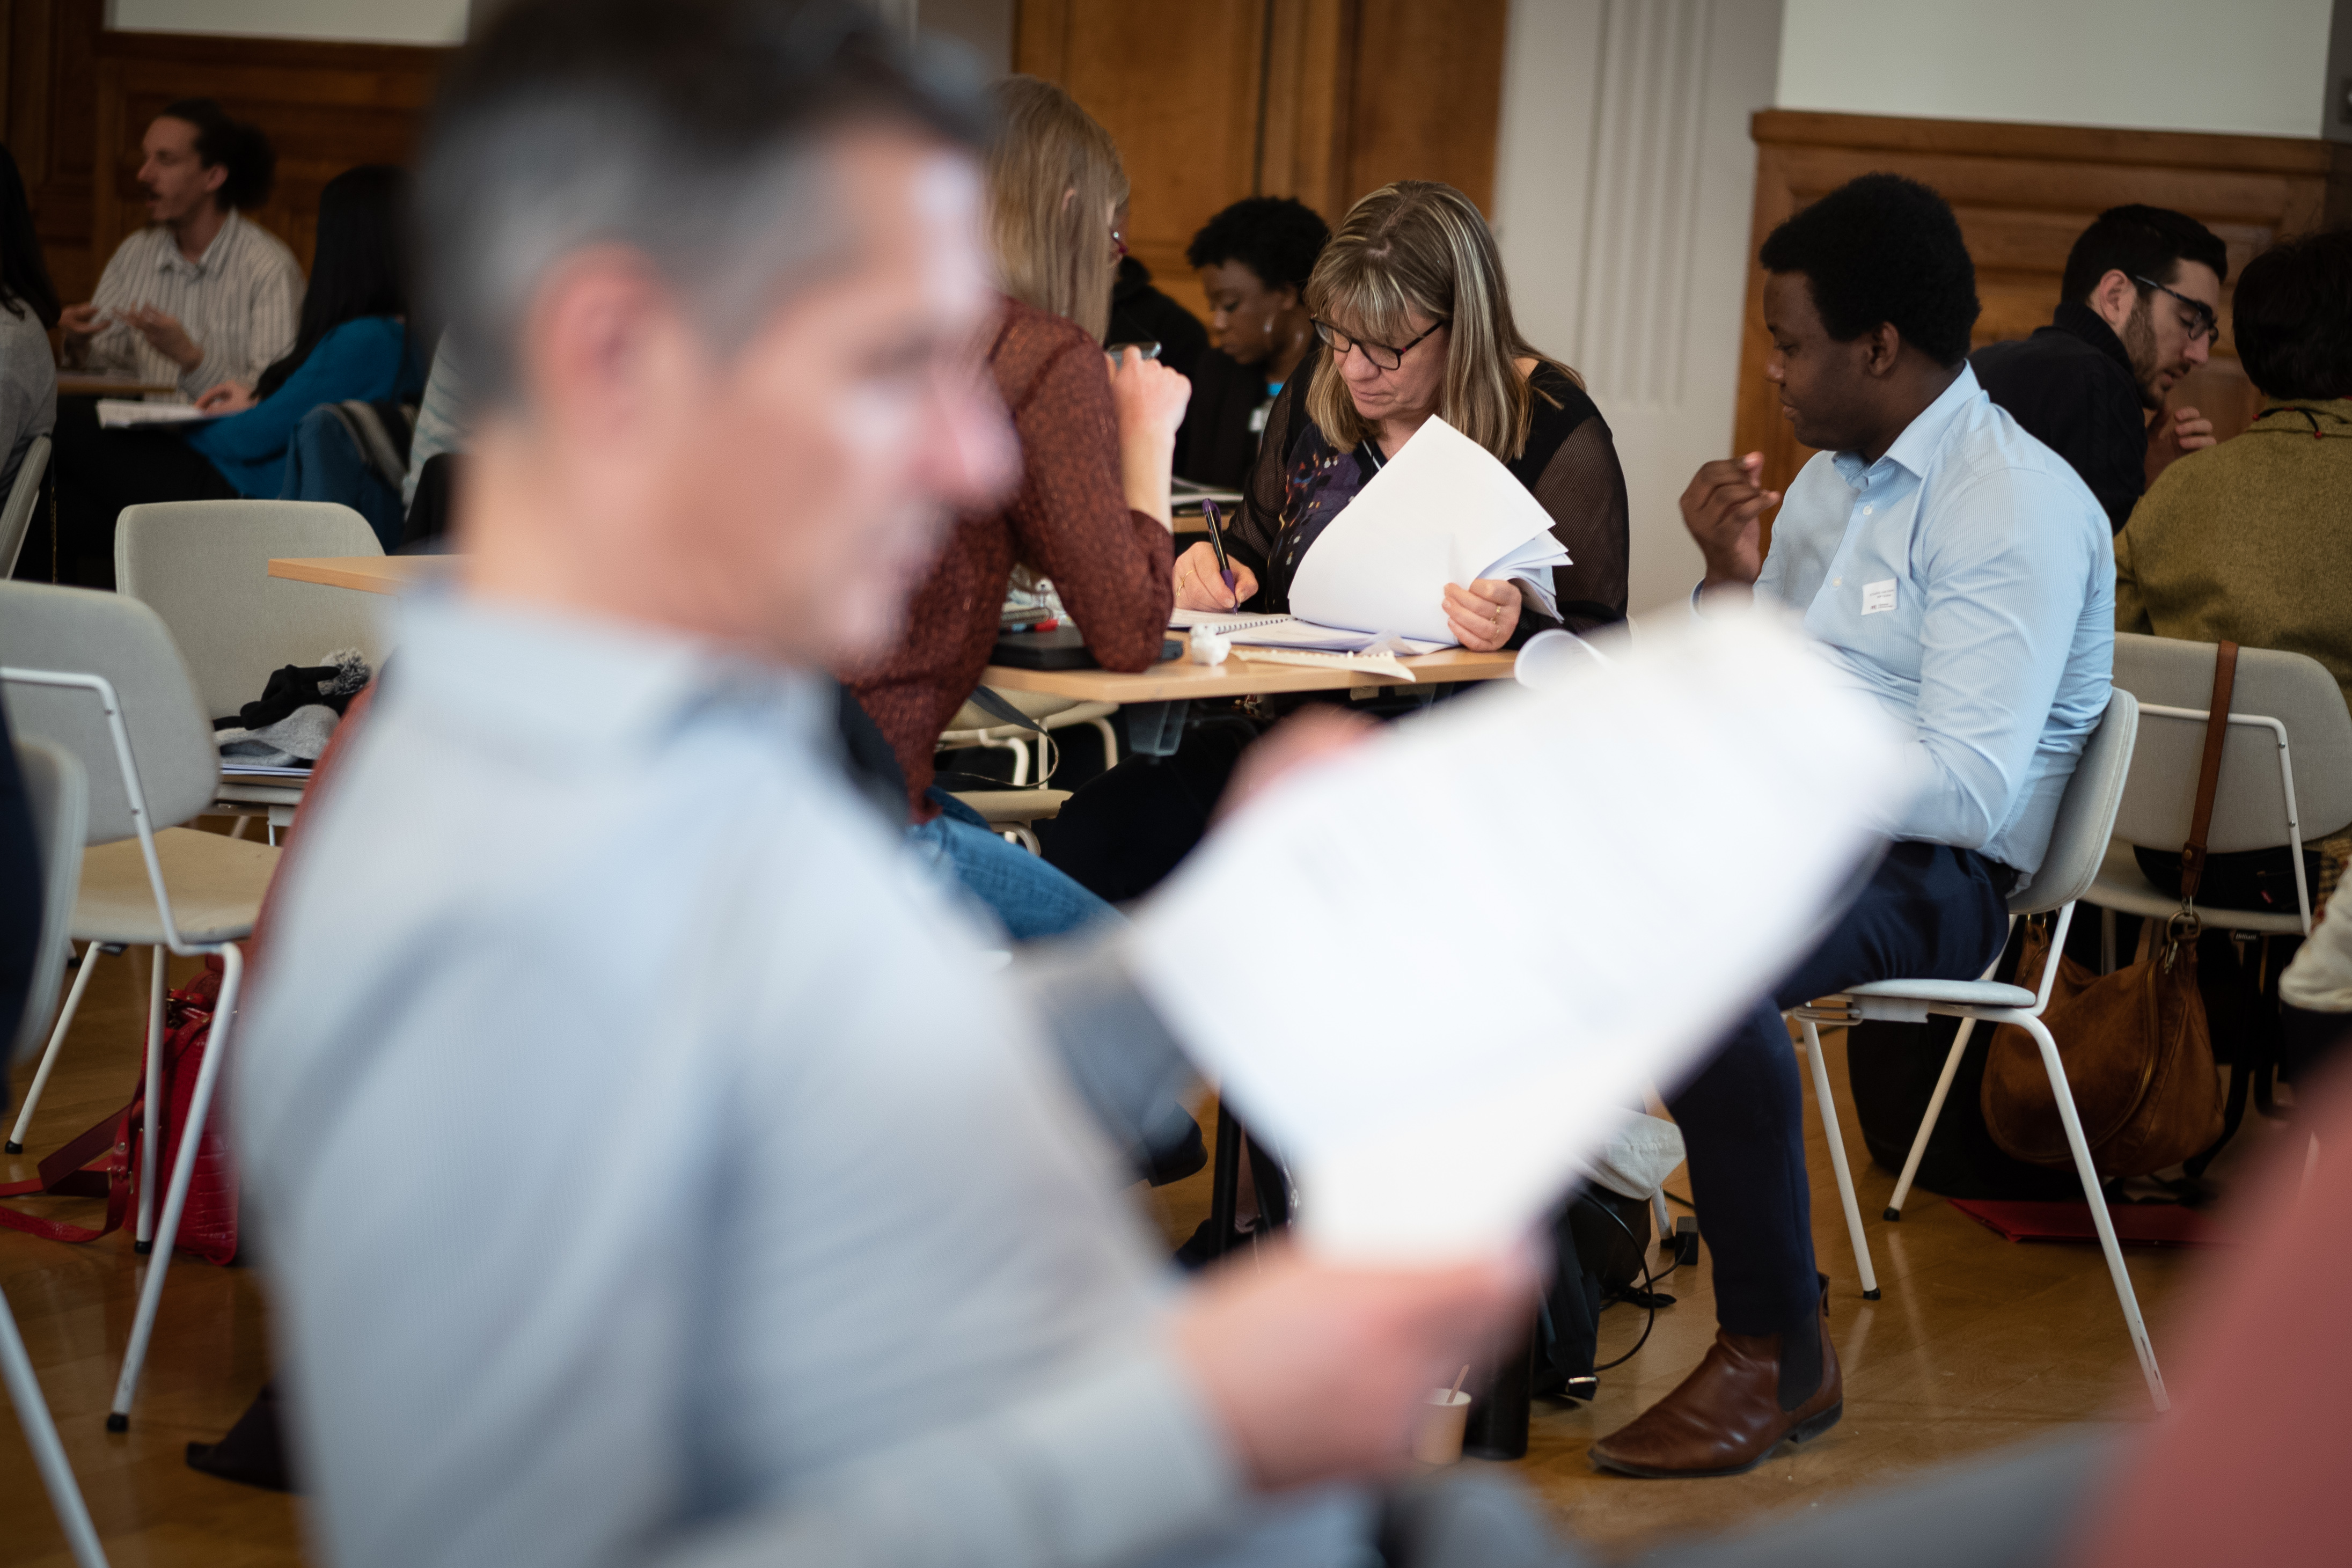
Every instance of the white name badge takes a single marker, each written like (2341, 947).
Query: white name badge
(1877, 596)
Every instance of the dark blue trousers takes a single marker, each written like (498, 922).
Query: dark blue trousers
(1930, 913)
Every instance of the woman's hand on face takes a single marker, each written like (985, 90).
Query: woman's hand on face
(1149, 397)
(1484, 614)
(1200, 586)
(228, 397)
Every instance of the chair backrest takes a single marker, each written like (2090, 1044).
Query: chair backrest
(16, 514)
(58, 792)
(2086, 812)
(83, 631)
(2249, 807)
(205, 566)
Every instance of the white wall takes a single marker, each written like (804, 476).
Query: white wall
(362, 21)
(2256, 66)
(1624, 182)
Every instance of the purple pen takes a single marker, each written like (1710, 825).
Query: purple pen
(1217, 543)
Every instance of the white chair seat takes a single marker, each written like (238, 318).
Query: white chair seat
(259, 794)
(1004, 805)
(1955, 992)
(2123, 887)
(216, 882)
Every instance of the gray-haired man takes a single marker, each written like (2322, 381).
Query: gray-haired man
(652, 1169)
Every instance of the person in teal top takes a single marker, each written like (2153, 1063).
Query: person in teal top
(352, 345)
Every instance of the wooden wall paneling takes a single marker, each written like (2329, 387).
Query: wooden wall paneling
(1182, 104)
(2022, 194)
(50, 124)
(325, 107)
(1310, 87)
(1426, 102)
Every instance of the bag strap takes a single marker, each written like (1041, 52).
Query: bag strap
(2208, 771)
(95, 1164)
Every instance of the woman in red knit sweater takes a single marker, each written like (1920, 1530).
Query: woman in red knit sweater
(1091, 510)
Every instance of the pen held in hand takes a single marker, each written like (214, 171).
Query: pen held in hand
(1217, 543)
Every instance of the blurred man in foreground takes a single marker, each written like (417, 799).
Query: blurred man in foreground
(664, 1177)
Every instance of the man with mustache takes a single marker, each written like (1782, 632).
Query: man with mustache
(2140, 309)
(1959, 572)
(202, 295)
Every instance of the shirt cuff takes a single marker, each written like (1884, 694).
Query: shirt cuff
(209, 373)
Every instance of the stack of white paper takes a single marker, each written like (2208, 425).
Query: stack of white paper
(1442, 510)
(1531, 894)
(120, 413)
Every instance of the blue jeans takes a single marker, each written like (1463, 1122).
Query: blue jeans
(1030, 898)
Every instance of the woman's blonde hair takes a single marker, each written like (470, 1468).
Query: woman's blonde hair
(1420, 246)
(1054, 176)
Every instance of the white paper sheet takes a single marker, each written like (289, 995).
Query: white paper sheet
(1289, 631)
(1499, 923)
(1442, 510)
(120, 413)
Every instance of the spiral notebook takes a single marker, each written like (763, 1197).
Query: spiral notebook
(1292, 631)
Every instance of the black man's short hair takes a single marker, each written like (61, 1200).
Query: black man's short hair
(1278, 237)
(1882, 249)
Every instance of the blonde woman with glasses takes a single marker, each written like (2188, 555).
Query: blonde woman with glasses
(1414, 320)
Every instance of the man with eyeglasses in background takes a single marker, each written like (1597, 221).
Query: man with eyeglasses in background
(2139, 308)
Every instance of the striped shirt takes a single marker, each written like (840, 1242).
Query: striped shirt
(238, 303)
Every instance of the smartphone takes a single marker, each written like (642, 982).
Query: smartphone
(1118, 350)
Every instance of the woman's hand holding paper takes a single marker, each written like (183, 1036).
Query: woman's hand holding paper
(1484, 616)
(1200, 587)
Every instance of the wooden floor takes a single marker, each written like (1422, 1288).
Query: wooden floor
(1978, 1344)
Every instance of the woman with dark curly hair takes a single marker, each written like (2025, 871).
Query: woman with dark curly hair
(1253, 259)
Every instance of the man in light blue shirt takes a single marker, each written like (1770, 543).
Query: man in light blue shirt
(1961, 572)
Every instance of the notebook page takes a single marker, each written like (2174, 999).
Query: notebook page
(1435, 1104)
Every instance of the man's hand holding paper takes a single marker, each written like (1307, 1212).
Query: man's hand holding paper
(1413, 1137)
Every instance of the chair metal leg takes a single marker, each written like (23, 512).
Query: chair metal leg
(1110, 740)
(2106, 940)
(1837, 1161)
(152, 1141)
(184, 1167)
(2093, 1196)
(1927, 1122)
(41, 1437)
(15, 1145)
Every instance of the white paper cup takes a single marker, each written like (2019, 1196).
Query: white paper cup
(1437, 1440)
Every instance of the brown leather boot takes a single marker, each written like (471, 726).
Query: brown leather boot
(1726, 1417)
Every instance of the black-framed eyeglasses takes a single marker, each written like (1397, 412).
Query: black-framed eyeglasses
(1379, 355)
(2203, 323)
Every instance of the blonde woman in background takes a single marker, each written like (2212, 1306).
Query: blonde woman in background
(1090, 512)
(1098, 441)
(1414, 320)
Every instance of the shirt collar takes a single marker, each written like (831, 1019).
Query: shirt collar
(1915, 447)
(2079, 320)
(587, 687)
(175, 262)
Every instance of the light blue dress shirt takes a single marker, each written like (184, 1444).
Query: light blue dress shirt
(654, 1170)
(1966, 579)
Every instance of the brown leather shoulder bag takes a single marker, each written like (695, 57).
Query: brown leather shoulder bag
(2135, 1044)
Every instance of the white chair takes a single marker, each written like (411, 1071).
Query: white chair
(2086, 816)
(1014, 813)
(2286, 773)
(97, 675)
(204, 565)
(975, 726)
(58, 792)
(24, 495)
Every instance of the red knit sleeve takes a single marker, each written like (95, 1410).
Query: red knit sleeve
(1113, 566)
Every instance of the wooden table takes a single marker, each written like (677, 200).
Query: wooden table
(368, 573)
(1179, 680)
(87, 383)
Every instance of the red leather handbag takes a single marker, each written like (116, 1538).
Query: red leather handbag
(103, 1162)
